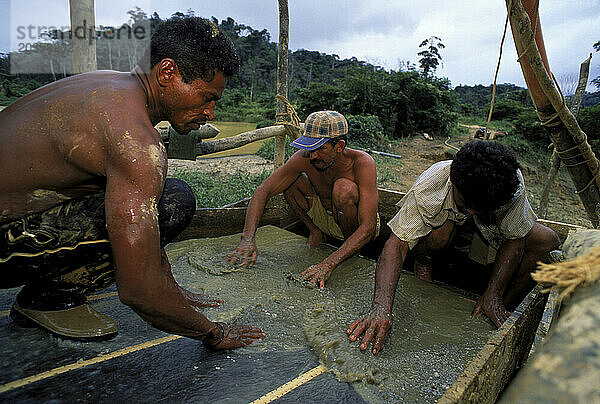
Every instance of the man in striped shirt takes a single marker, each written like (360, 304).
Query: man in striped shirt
(483, 181)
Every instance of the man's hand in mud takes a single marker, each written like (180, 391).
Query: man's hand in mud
(493, 307)
(234, 336)
(200, 300)
(245, 252)
(318, 273)
(377, 323)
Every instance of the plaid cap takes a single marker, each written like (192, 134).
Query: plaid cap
(319, 128)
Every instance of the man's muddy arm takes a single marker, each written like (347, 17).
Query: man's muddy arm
(379, 321)
(387, 272)
(134, 185)
(508, 259)
(277, 182)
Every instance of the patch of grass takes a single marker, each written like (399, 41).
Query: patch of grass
(215, 191)
(385, 171)
(534, 154)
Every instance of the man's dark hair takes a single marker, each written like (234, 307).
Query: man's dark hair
(485, 173)
(198, 47)
(336, 139)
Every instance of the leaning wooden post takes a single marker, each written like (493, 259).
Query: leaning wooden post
(584, 72)
(83, 35)
(568, 138)
(282, 85)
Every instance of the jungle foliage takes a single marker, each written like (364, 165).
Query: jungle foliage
(379, 104)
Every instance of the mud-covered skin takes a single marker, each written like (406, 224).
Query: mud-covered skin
(346, 183)
(65, 139)
(509, 281)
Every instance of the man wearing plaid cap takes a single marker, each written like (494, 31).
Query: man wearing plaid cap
(331, 188)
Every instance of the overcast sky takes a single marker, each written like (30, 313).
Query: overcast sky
(382, 32)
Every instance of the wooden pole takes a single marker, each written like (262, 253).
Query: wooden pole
(568, 138)
(83, 35)
(584, 72)
(282, 73)
(228, 143)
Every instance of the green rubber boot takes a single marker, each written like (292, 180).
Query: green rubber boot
(65, 314)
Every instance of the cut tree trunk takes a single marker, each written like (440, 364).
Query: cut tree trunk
(83, 35)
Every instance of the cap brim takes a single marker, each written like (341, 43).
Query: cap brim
(309, 143)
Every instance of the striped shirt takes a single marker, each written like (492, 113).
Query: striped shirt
(430, 202)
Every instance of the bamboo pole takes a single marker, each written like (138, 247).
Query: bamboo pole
(282, 85)
(568, 138)
(217, 145)
(83, 35)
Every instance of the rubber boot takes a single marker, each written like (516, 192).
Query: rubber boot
(65, 314)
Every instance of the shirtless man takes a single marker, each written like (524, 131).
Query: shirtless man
(83, 197)
(483, 181)
(331, 188)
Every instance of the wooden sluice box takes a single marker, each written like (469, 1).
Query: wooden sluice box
(434, 352)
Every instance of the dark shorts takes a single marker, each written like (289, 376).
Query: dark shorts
(67, 246)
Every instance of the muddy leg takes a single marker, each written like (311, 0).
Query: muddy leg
(300, 197)
(345, 205)
(436, 241)
(538, 244)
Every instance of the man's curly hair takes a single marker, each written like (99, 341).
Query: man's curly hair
(198, 47)
(485, 173)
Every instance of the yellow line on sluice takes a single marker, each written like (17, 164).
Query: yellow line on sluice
(78, 365)
(4, 313)
(291, 385)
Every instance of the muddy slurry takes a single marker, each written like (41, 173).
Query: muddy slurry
(433, 337)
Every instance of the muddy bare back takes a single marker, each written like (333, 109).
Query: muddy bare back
(56, 141)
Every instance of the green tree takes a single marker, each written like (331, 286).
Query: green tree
(528, 126)
(318, 96)
(589, 120)
(365, 91)
(430, 56)
(422, 104)
(365, 131)
(507, 109)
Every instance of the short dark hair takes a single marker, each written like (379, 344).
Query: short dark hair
(485, 173)
(197, 45)
(336, 139)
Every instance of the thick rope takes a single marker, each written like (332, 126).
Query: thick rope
(447, 143)
(292, 121)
